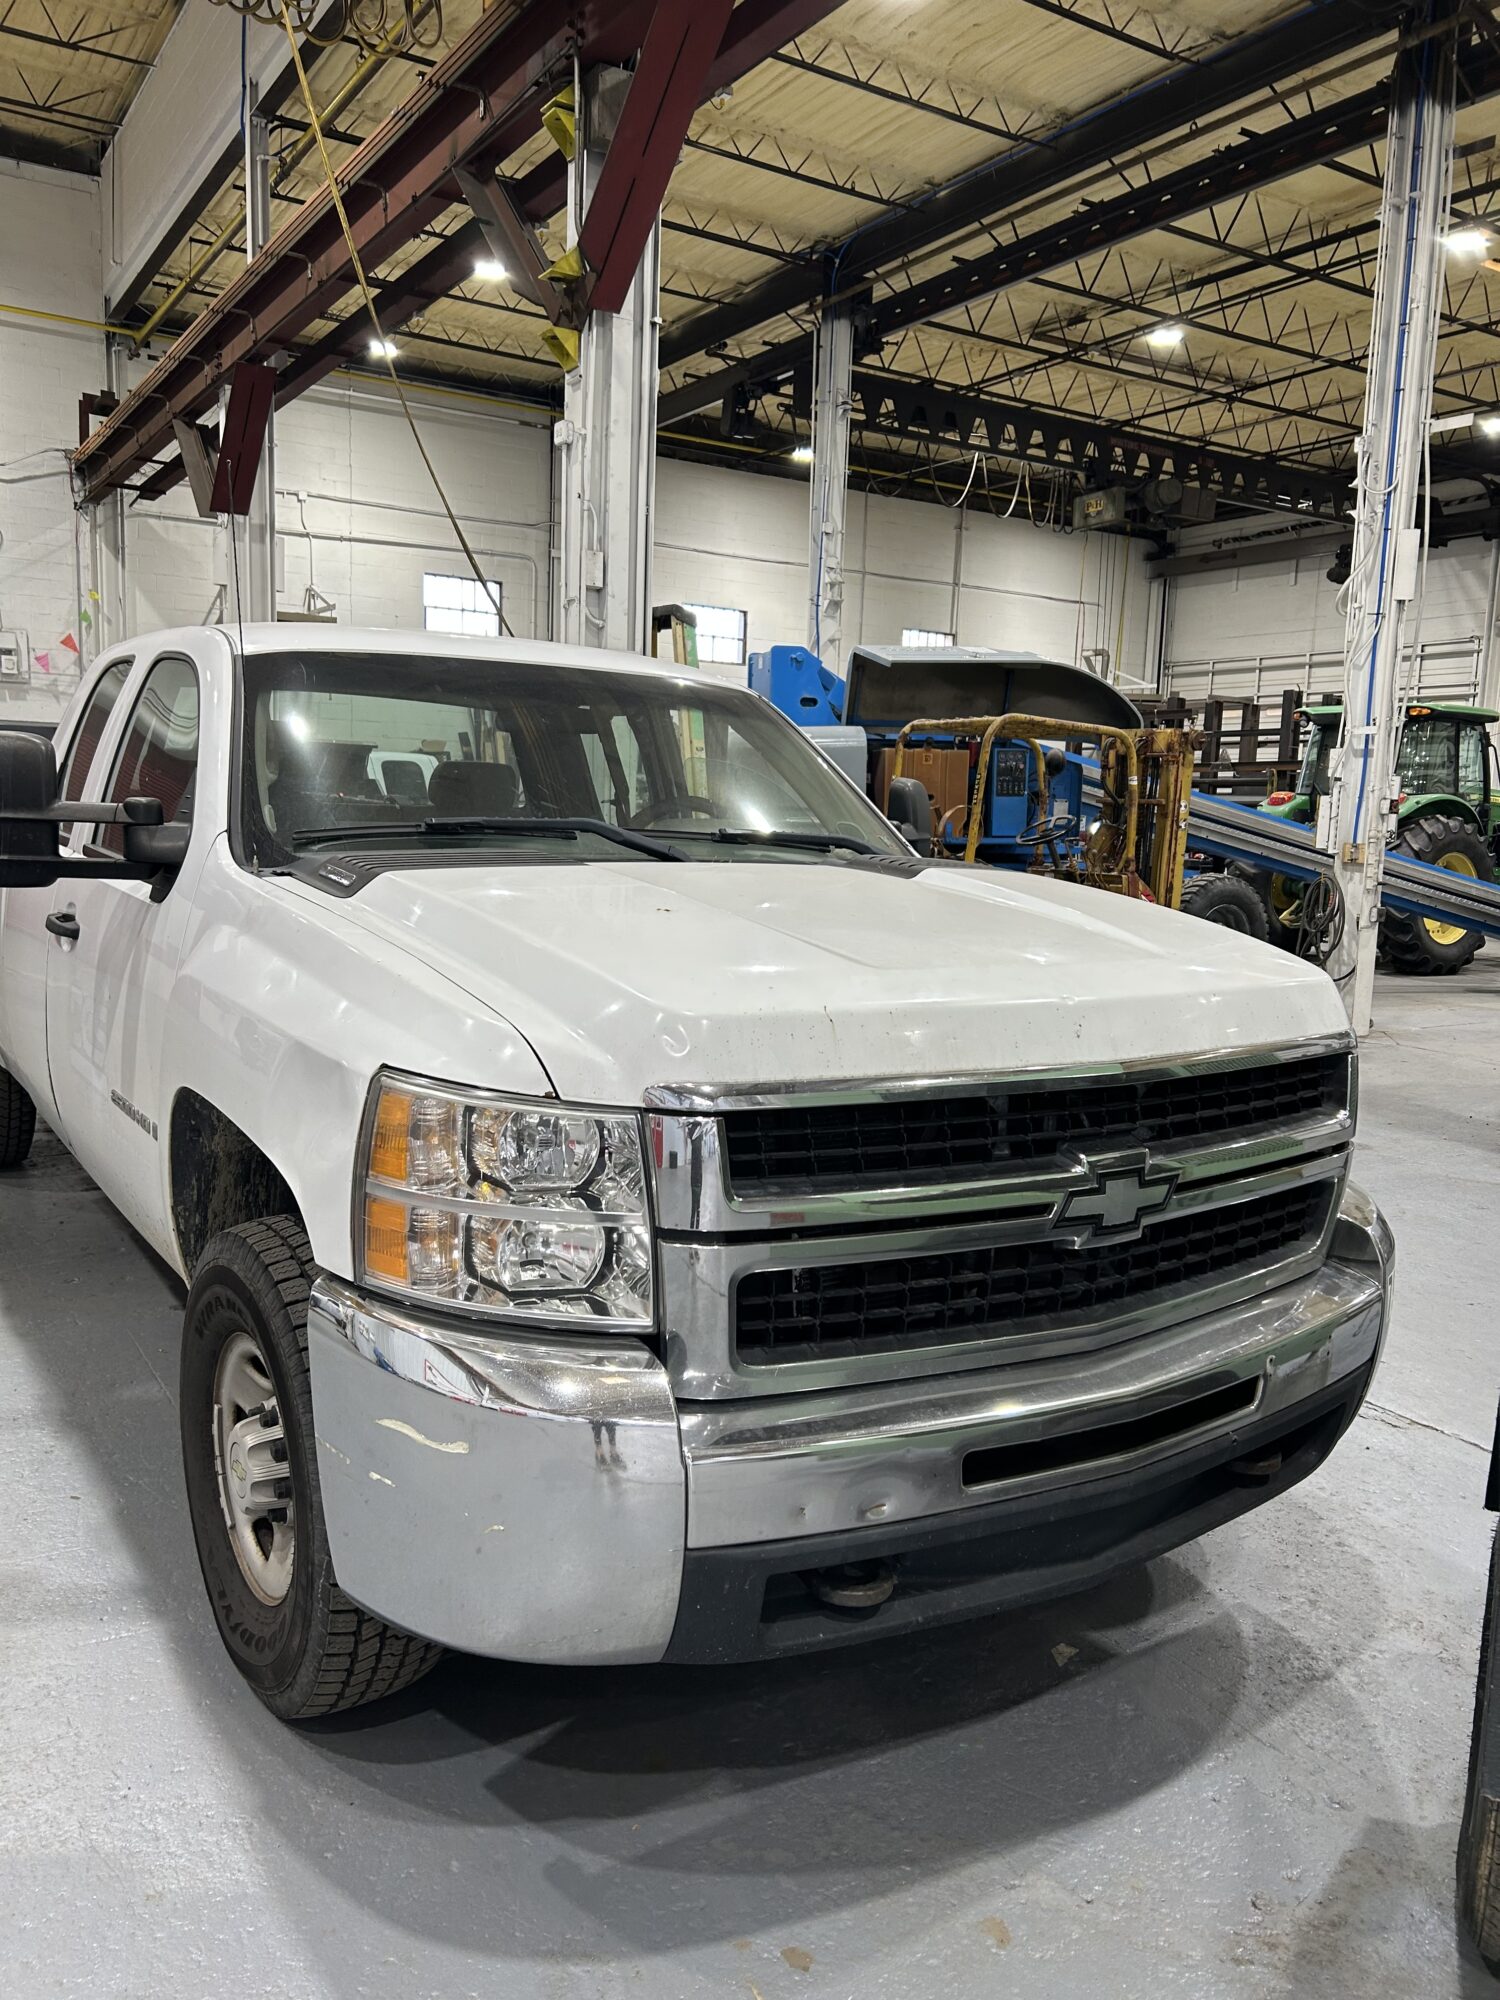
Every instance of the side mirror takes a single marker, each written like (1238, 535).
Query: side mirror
(909, 810)
(32, 818)
(28, 793)
(156, 847)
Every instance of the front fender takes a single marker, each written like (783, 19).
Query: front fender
(282, 1013)
(1446, 803)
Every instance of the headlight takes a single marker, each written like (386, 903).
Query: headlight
(496, 1205)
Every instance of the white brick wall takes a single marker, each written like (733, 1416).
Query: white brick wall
(741, 539)
(360, 520)
(722, 537)
(49, 262)
(1259, 629)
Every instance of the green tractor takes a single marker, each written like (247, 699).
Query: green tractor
(1448, 816)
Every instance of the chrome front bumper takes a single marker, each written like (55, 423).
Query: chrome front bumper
(542, 1497)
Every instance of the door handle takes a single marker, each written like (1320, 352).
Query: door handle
(63, 924)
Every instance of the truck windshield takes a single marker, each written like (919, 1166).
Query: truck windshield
(454, 752)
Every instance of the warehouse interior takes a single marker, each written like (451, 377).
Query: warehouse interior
(784, 340)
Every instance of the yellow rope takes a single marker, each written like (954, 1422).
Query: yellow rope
(369, 298)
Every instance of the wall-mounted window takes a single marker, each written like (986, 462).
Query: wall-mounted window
(918, 635)
(721, 634)
(460, 604)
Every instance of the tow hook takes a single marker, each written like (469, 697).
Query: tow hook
(1256, 1465)
(852, 1586)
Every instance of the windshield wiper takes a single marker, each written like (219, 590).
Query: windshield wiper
(559, 829)
(623, 836)
(818, 843)
(374, 829)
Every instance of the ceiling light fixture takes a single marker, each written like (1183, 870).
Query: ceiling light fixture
(1164, 337)
(802, 454)
(383, 350)
(1490, 425)
(490, 271)
(1467, 242)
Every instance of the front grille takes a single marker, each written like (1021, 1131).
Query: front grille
(883, 1305)
(913, 1141)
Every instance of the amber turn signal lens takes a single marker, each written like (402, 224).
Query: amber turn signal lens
(385, 1239)
(391, 1141)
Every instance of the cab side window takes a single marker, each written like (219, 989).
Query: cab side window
(159, 756)
(1472, 780)
(90, 731)
(1429, 755)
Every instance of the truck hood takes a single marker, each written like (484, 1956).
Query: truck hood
(626, 975)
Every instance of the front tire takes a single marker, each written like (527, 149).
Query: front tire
(252, 1481)
(1422, 944)
(1479, 1836)
(17, 1122)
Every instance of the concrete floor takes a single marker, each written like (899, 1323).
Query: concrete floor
(1236, 1774)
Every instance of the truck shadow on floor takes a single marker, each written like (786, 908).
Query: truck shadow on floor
(568, 1814)
(685, 1805)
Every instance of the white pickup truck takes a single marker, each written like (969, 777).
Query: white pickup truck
(634, 1207)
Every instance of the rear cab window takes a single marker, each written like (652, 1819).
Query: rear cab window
(90, 731)
(158, 758)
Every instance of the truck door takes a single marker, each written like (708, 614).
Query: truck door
(23, 1028)
(113, 956)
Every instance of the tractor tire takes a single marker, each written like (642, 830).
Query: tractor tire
(1226, 900)
(252, 1480)
(17, 1122)
(1276, 893)
(1421, 945)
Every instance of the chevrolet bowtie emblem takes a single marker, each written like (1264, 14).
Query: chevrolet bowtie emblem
(1117, 1201)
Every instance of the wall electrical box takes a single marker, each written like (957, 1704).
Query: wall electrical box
(15, 659)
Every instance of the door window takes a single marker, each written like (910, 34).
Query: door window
(159, 757)
(1471, 772)
(1429, 760)
(90, 731)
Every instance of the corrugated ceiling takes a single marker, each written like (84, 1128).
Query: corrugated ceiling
(887, 101)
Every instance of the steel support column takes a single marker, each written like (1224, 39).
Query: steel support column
(606, 438)
(833, 400)
(252, 580)
(109, 574)
(1386, 565)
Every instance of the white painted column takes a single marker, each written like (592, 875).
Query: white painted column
(829, 501)
(606, 438)
(1384, 578)
(255, 535)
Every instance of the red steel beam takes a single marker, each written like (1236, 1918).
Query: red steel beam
(480, 101)
(246, 415)
(447, 264)
(610, 31)
(757, 29)
(668, 84)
